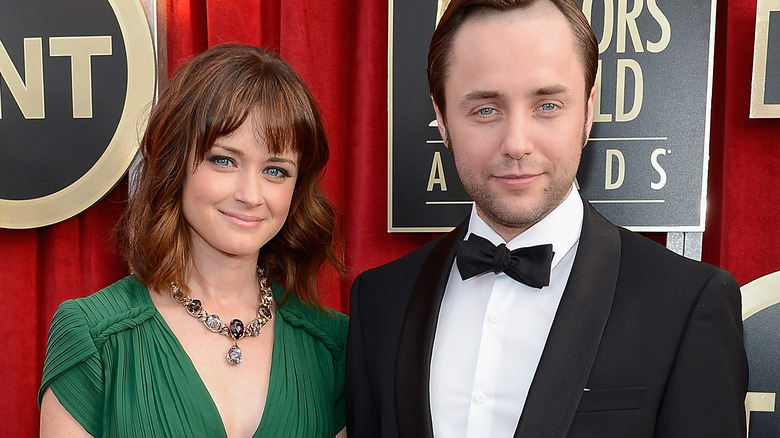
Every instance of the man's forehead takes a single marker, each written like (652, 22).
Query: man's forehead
(541, 9)
(484, 43)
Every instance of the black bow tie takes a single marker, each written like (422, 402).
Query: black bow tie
(530, 266)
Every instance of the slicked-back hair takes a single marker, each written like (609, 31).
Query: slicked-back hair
(210, 97)
(458, 11)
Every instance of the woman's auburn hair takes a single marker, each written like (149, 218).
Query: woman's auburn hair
(210, 97)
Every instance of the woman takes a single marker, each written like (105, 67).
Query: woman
(219, 330)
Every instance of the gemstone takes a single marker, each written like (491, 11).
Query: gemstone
(254, 327)
(236, 329)
(213, 322)
(194, 306)
(266, 311)
(234, 355)
(178, 294)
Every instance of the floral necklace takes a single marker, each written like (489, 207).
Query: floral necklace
(236, 330)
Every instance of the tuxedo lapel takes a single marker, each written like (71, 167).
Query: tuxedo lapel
(576, 331)
(415, 348)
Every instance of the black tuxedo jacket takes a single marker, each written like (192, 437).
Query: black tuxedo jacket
(645, 343)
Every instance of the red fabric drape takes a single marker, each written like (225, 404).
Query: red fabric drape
(38, 270)
(742, 234)
(340, 49)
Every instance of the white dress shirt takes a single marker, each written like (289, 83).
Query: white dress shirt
(492, 330)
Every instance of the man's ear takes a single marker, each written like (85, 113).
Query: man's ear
(591, 103)
(440, 122)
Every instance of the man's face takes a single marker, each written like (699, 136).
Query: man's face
(517, 116)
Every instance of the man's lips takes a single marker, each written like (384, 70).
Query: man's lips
(518, 180)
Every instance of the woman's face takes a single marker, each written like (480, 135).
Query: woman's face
(239, 196)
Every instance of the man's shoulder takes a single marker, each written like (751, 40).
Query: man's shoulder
(652, 257)
(407, 263)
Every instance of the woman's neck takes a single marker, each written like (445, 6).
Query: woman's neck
(227, 282)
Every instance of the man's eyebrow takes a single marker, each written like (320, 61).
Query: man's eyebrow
(550, 90)
(480, 95)
(490, 94)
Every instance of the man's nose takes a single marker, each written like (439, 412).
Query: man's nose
(517, 139)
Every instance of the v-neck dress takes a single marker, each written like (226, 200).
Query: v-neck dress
(114, 364)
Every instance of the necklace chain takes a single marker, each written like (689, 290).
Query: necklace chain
(236, 330)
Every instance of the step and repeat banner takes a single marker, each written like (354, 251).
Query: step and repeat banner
(645, 165)
(77, 80)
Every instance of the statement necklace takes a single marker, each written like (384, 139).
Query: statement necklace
(236, 330)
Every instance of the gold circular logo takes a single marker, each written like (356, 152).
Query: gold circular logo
(76, 87)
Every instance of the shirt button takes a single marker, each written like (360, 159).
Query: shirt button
(495, 317)
(481, 398)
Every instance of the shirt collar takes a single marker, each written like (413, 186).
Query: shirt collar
(561, 227)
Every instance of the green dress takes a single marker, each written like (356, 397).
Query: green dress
(115, 365)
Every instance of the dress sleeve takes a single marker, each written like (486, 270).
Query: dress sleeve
(73, 369)
(340, 360)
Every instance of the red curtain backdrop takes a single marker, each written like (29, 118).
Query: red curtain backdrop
(340, 49)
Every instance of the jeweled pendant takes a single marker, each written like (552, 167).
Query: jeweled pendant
(236, 329)
(234, 355)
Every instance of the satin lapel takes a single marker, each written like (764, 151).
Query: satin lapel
(576, 332)
(412, 367)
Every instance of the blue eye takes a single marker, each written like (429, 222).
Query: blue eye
(221, 161)
(486, 111)
(276, 172)
(548, 107)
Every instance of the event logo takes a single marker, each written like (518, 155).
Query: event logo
(76, 83)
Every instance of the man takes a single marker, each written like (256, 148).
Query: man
(609, 334)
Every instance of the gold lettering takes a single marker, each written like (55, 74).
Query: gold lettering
(606, 32)
(625, 20)
(620, 94)
(597, 115)
(657, 166)
(81, 50)
(28, 93)
(666, 29)
(621, 170)
(437, 173)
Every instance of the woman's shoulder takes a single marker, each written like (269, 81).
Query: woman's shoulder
(328, 326)
(81, 326)
(120, 305)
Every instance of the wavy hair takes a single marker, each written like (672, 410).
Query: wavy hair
(210, 97)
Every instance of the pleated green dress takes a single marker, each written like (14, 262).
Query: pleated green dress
(115, 365)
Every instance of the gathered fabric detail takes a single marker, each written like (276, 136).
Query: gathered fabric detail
(123, 321)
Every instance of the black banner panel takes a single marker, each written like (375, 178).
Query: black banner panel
(75, 85)
(645, 165)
